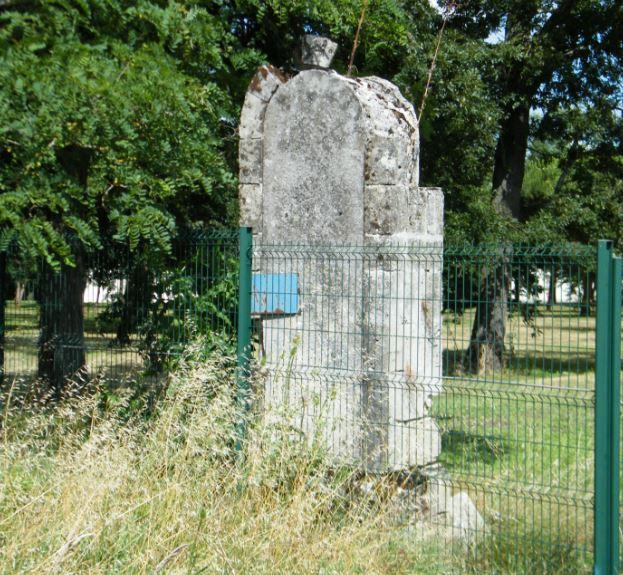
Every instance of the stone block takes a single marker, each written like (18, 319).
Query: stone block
(385, 209)
(330, 160)
(426, 212)
(252, 117)
(314, 150)
(263, 85)
(412, 443)
(251, 205)
(316, 52)
(389, 158)
(392, 132)
(250, 160)
(266, 81)
(314, 358)
(432, 201)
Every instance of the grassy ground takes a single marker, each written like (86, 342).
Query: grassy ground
(103, 356)
(518, 440)
(91, 486)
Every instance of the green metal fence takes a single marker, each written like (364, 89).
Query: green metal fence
(136, 311)
(607, 411)
(482, 380)
(512, 400)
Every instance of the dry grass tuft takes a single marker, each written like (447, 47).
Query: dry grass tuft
(90, 486)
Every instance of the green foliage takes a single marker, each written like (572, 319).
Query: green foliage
(574, 179)
(111, 123)
(118, 118)
(274, 28)
(183, 311)
(558, 58)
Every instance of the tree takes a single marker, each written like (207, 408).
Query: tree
(118, 119)
(118, 130)
(552, 54)
(112, 123)
(582, 151)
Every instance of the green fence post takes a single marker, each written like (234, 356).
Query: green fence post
(245, 254)
(615, 411)
(607, 410)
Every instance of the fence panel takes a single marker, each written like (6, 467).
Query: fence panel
(132, 315)
(499, 451)
(607, 410)
(466, 375)
(519, 419)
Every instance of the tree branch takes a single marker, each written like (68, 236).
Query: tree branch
(356, 41)
(433, 63)
(557, 18)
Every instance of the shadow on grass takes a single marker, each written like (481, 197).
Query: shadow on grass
(526, 363)
(464, 446)
(518, 553)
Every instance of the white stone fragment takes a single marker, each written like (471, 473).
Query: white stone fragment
(316, 51)
(464, 519)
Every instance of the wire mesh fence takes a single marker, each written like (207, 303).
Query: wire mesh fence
(464, 374)
(517, 412)
(117, 315)
(468, 373)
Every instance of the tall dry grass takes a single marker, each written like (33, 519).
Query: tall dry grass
(94, 485)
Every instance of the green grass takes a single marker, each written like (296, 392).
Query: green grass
(105, 358)
(520, 441)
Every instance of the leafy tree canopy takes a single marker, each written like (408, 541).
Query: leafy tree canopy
(112, 121)
(118, 118)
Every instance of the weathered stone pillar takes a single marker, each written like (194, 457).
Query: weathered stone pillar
(327, 162)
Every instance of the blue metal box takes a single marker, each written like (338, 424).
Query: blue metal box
(275, 294)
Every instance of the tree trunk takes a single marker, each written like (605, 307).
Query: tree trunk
(486, 347)
(62, 356)
(551, 293)
(510, 162)
(517, 293)
(20, 288)
(134, 303)
(588, 299)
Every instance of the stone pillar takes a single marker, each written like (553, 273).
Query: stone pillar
(326, 162)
